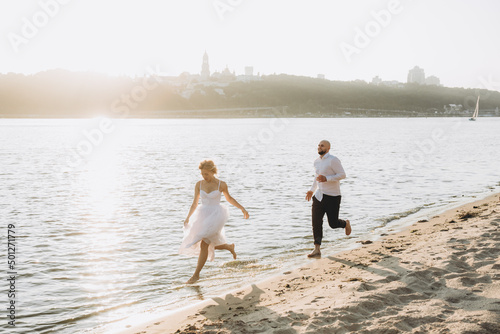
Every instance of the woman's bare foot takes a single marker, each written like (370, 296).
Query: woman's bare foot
(193, 279)
(231, 249)
(348, 229)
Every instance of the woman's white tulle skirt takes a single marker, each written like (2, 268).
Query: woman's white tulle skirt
(206, 224)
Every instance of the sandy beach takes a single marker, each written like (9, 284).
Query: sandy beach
(439, 275)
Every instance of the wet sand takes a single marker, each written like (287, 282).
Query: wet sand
(441, 275)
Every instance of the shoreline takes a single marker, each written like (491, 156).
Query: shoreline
(433, 275)
(65, 117)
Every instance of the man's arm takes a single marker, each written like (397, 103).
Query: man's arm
(338, 169)
(312, 190)
(314, 185)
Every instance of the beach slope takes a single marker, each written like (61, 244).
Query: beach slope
(440, 275)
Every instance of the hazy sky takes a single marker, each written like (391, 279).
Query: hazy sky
(455, 40)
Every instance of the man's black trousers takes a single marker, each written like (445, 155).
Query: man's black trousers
(329, 205)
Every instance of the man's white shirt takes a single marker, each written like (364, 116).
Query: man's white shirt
(332, 169)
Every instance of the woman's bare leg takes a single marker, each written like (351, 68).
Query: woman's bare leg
(201, 262)
(229, 248)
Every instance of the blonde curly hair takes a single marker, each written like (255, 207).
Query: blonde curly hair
(208, 165)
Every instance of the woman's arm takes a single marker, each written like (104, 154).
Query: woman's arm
(232, 201)
(194, 205)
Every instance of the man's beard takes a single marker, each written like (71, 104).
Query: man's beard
(321, 152)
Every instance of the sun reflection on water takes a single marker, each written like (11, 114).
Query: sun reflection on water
(102, 186)
(101, 190)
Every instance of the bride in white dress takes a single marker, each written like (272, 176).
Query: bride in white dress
(204, 225)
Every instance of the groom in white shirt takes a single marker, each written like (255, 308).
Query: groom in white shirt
(326, 199)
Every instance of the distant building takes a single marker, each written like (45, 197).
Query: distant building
(376, 81)
(432, 80)
(416, 75)
(392, 83)
(248, 76)
(224, 76)
(205, 69)
(453, 108)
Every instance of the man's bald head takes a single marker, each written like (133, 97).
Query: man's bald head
(326, 143)
(323, 147)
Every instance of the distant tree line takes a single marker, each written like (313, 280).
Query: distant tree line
(60, 93)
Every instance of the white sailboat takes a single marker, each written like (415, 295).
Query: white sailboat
(476, 112)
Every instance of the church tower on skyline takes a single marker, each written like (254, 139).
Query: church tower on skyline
(205, 69)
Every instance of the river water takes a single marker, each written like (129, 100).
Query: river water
(98, 205)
